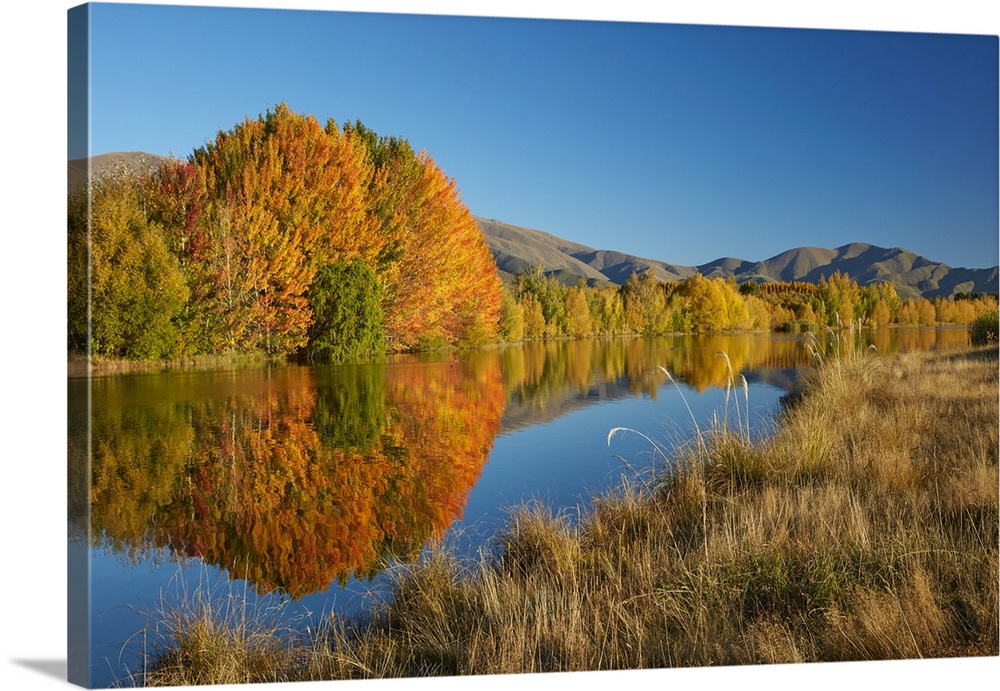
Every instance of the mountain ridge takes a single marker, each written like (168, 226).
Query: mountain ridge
(520, 248)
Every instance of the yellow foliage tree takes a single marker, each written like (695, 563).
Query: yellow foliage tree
(578, 322)
(705, 304)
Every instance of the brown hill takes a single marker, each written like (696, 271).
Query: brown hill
(79, 168)
(519, 249)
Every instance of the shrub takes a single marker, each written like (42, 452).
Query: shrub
(347, 315)
(984, 329)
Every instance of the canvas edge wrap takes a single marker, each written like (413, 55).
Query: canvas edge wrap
(78, 526)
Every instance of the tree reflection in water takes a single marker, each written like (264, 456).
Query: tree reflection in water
(295, 481)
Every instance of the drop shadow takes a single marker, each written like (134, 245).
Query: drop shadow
(50, 668)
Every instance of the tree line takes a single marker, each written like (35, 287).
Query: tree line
(536, 306)
(280, 236)
(286, 237)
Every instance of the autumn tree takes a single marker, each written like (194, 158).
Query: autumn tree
(175, 201)
(633, 309)
(917, 312)
(737, 316)
(608, 310)
(878, 303)
(705, 304)
(880, 315)
(293, 483)
(841, 296)
(126, 289)
(439, 279)
(578, 322)
(278, 197)
(647, 306)
(534, 319)
(534, 287)
(78, 272)
(758, 314)
(511, 318)
(254, 215)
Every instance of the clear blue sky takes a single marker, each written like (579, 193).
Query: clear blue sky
(682, 143)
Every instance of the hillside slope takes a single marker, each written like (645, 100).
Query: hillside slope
(519, 249)
(77, 168)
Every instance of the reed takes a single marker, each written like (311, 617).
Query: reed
(217, 635)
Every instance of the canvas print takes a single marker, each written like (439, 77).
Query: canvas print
(412, 346)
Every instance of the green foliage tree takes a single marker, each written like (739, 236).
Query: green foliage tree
(985, 329)
(126, 289)
(550, 296)
(78, 272)
(347, 314)
(350, 407)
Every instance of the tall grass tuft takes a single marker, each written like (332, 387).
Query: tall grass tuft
(221, 635)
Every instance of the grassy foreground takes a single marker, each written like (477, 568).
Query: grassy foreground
(866, 528)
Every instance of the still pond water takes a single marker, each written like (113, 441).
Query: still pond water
(300, 484)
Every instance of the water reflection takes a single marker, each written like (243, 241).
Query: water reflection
(290, 479)
(543, 381)
(294, 478)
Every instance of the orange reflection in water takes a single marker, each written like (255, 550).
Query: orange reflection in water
(252, 483)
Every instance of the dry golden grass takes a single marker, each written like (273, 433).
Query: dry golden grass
(866, 528)
(218, 637)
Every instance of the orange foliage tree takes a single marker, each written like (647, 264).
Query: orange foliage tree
(440, 283)
(258, 211)
(276, 197)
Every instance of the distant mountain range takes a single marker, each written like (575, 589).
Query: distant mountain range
(518, 249)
